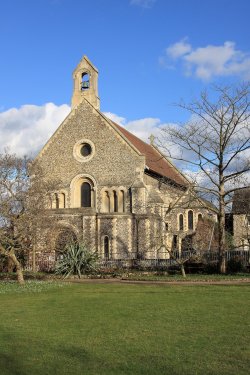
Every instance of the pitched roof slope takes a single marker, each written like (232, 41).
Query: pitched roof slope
(154, 160)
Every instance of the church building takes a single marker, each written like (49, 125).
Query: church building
(118, 194)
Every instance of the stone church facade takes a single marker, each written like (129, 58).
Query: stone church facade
(241, 219)
(118, 194)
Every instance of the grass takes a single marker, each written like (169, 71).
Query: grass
(161, 276)
(100, 329)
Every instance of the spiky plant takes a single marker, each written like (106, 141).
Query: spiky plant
(76, 259)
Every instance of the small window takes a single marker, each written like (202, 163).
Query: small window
(106, 248)
(57, 200)
(175, 242)
(166, 227)
(115, 202)
(85, 150)
(181, 222)
(199, 217)
(190, 220)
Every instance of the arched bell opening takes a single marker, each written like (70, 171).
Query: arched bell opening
(85, 83)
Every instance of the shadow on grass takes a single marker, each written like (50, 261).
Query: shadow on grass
(50, 360)
(10, 365)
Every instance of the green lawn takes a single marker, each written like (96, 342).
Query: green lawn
(92, 329)
(156, 276)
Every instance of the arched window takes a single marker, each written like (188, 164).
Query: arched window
(121, 203)
(115, 202)
(56, 200)
(199, 217)
(190, 220)
(181, 222)
(85, 195)
(85, 81)
(61, 200)
(106, 201)
(66, 236)
(106, 248)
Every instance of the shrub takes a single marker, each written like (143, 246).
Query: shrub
(76, 260)
(235, 264)
(211, 267)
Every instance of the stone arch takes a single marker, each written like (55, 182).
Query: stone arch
(77, 189)
(65, 235)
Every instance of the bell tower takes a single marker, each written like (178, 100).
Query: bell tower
(85, 78)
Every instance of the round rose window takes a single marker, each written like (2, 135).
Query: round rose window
(85, 150)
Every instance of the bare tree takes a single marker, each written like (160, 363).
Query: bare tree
(214, 145)
(23, 202)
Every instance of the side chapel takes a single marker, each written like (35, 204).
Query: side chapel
(118, 194)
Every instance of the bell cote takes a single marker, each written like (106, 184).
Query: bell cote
(85, 78)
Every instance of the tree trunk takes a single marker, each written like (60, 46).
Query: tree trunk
(11, 255)
(19, 270)
(34, 259)
(183, 270)
(222, 234)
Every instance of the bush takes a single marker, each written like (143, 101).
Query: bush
(76, 260)
(211, 267)
(235, 265)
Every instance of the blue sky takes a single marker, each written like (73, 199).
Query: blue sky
(150, 54)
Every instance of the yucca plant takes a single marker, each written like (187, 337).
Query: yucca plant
(76, 259)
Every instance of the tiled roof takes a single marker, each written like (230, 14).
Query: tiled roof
(154, 160)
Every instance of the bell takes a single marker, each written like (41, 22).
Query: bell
(85, 85)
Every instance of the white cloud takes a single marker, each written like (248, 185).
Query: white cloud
(142, 128)
(143, 3)
(178, 49)
(208, 62)
(118, 119)
(26, 129)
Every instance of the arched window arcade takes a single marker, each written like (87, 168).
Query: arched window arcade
(113, 201)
